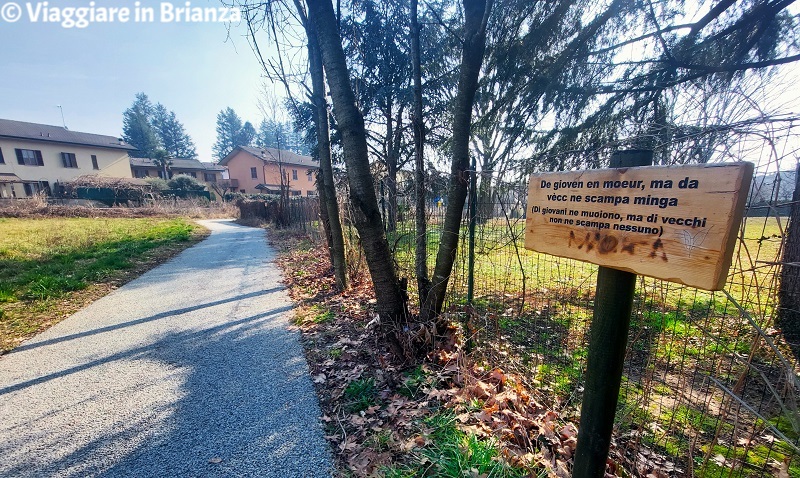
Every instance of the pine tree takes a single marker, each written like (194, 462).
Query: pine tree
(171, 133)
(263, 137)
(246, 135)
(281, 135)
(137, 129)
(231, 133)
(271, 134)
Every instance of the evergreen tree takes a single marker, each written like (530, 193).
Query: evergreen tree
(271, 134)
(231, 133)
(263, 135)
(296, 140)
(282, 135)
(137, 128)
(171, 133)
(246, 135)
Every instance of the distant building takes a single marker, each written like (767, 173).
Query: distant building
(259, 170)
(33, 157)
(771, 194)
(209, 173)
(773, 187)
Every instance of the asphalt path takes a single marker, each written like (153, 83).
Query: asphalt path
(189, 370)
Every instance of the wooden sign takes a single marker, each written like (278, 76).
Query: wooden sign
(676, 223)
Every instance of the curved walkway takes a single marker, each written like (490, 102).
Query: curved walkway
(189, 370)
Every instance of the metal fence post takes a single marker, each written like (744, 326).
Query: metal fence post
(473, 197)
(608, 338)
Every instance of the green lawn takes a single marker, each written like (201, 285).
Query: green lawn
(503, 265)
(51, 267)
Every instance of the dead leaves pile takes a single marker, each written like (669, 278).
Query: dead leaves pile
(495, 404)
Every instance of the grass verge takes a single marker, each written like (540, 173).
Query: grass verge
(52, 267)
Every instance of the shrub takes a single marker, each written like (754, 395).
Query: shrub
(157, 184)
(252, 197)
(183, 182)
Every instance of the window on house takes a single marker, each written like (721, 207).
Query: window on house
(210, 178)
(241, 191)
(193, 174)
(28, 189)
(94, 162)
(29, 157)
(68, 160)
(297, 193)
(294, 174)
(310, 176)
(254, 173)
(2, 160)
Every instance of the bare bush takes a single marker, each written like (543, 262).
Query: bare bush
(190, 208)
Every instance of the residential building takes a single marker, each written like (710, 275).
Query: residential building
(204, 172)
(771, 194)
(34, 157)
(259, 170)
(213, 173)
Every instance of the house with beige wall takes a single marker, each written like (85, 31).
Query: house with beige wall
(34, 157)
(259, 171)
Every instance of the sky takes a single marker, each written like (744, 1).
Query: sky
(195, 69)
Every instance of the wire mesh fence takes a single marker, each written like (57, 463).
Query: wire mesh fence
(710, 382)
(303, 215)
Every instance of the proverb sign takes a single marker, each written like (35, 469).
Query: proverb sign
(676, 223)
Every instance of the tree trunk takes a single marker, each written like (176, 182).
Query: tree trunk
(485, 204)
(323, 215)
(283, 204)
(789, 293)
(327, 196)
(476, 14)
(420, 219)
(391, 172)
(391, 298)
